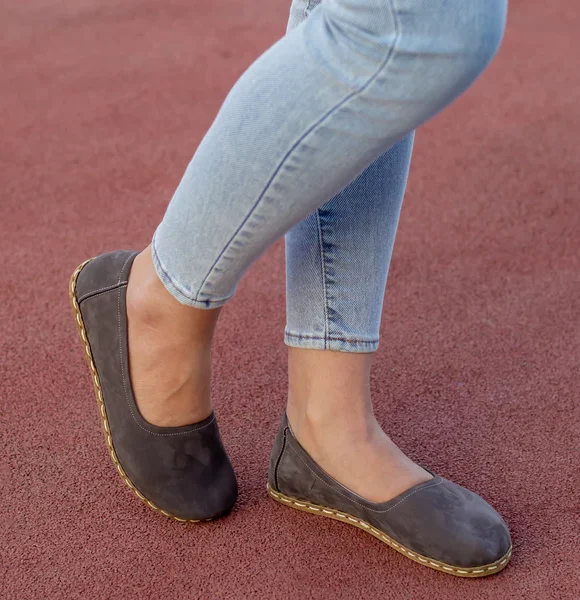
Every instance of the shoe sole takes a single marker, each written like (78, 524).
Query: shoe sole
(101, 403)
(324, 511)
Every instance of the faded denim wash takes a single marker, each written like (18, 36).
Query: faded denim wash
(315, 140)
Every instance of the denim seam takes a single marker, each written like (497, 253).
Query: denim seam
(323, 275)
(157, 260)
(312, 128)
(329, 338)
(308, 8)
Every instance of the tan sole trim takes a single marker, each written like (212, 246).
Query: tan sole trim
(323, 511)
(101, 403)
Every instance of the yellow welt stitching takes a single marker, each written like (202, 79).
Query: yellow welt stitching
(402, 549)
(99, 396)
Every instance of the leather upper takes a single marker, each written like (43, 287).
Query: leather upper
(183, 470)
(437, 518)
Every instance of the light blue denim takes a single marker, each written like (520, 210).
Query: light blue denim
(314, 141)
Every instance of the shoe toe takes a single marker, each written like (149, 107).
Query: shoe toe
(196, 499)
(191, 479)
(450, 524)
(479, 537)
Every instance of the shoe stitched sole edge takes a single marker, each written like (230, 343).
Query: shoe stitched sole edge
(471, 572)
(101, 403)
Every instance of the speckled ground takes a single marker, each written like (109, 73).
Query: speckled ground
(101, 106)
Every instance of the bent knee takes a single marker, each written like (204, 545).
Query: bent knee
(474, 36)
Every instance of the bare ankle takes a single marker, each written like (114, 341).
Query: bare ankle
(169, 350)
(330, 392)
(316, 430)
(150, 305)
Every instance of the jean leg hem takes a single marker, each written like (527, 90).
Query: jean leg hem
(330, 342)
(175, 290)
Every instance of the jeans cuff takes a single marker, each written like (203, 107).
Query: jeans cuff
(330, 342)
(175, 289)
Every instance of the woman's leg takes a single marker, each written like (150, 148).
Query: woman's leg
(307, 117)
(337, 261)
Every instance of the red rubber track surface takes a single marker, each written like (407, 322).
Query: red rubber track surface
(101, 106)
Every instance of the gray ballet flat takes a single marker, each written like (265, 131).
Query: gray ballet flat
(437, 523)
(182, 472)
